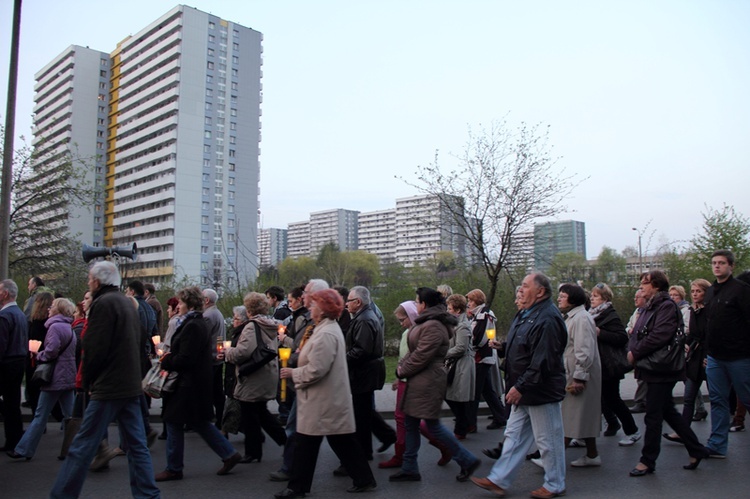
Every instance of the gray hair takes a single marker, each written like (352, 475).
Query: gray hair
(317, 285)
(106, 273)
(542, 281)
(11, 287)
(362, 293)
(64, 306)
(241, 312)
(210, 295)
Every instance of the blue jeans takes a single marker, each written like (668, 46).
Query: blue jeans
(207, 431)
(414, 439)
(722, 375)
(97, 417)
(47, 400)
(528, 424)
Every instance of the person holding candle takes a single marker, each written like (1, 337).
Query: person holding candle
(324, 407)
(255, 390)
(230, 423)
(460, 359)
(60, 348)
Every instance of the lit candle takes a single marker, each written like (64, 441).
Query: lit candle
(227, 344)
(284, 354)
(34, 345)
(281, 329)
(490, 334)
(156, 339)
(219, 345)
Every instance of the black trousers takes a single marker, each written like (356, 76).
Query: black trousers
(461, 411)
(382, 430)
(218, 393)
(614, 408)
(11, 376)
(483, 388)
(363, 419)
(347, 449)
(255, 416)
(660, 408)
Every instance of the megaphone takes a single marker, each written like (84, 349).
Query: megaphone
(90, 252)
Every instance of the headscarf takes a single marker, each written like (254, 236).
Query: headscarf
(410, 307)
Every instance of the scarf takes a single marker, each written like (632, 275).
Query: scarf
(596, 311)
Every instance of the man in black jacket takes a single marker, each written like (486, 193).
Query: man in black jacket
(112, 376)
(535, 383)
(728, 335)
(14, 349)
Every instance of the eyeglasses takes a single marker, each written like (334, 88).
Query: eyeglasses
(600, 285)
(352, 299)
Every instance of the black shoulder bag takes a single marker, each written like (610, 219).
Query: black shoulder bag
(262, 355)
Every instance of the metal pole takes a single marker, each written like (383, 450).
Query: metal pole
(10, 130)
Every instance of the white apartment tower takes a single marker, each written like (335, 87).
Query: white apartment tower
(271, 247)
(298, 239)
(183, 147)
(337, 226)
(377, 234)
(70, 116)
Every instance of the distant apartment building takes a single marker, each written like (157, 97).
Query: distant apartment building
(337, 226)
(177, 121)
(70, 123)
(423, 228)
(552, 238)
(377, 234)
(298, 239)
(272, 247)
(521, 255)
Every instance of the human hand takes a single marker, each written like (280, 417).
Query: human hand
(286, 373)
(394, 385)
(576, 387)
(513, 397)
(631, 359)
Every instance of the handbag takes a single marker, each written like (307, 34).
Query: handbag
(262, 355)
(158, 381)
(44, 370)
(670, 358)
(614, 361)
(450, 366)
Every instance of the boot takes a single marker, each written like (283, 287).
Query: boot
(445, 455)
(395, 461)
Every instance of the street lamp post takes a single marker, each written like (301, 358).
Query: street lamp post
(640, 251)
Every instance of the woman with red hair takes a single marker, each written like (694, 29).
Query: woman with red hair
(324, 408)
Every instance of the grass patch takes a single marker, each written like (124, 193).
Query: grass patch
(390, 369)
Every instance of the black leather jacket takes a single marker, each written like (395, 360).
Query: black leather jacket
(364, 352)
(534, 354)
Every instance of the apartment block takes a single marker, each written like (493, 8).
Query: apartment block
(272, 247)
(377, 234)
(552, 238)
(70, 116)
(337, 226)
(298, 239)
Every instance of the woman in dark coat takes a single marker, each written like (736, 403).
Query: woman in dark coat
(655, 328)
(37, 331)
(612, 340)
(190, 356)
(426, 382)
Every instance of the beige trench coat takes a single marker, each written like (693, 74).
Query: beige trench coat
(462, 388)
(324, 401)
(260, 385)
(582, 413)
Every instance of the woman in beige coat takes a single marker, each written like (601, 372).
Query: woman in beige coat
(324, 403)
(581, 407)
(255, 390)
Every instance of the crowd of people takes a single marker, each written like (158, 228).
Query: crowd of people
(561, 367)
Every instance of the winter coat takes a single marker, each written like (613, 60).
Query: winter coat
(728, 320)
(582, 412)
(216, 330)
(534, 354)
(696, 340)
(324, 406)
(660, 320)
(364, 352)
(60, 347)
(461, 352)
(422, 367)
(262, 384)
(190, 356)
(612, 342)
(111, 347)
(230, 372)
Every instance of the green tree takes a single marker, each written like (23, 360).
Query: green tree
(568, 267)
(610, 267)
(722, 229)
(364, 268)
(505, 179)
(297, 271)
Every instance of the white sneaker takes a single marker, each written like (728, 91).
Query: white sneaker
(538, 462)
(630, 439)
(585, 461)
(577, 443)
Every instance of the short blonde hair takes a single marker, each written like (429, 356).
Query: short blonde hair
(604, 291)
(679, 289)
(64, 306)
(477, 296)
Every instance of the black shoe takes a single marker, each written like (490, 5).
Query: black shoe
(402, 476)
(288, 494)
(638, 409)
(466, 473)
(249, 459)
(672, 439)
(162, 435)
(15, 455)
(493, 453)
(693, 464)
(644, 472)
(340, 471)
(700, 415)
(496, 425)
(363, 488)
(612, 430)
(386, 444)
(534, 455)
(712, 454)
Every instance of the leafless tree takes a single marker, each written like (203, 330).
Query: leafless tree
(507, 179)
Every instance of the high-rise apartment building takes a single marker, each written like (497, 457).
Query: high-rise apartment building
(377, 234)
(552, 238)
(70, 116)
(271, 247)
(298, 239)
(176, 118)
(184, 133)
(337, 226)
(521, 255)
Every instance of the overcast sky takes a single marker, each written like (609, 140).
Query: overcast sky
(649, 100)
